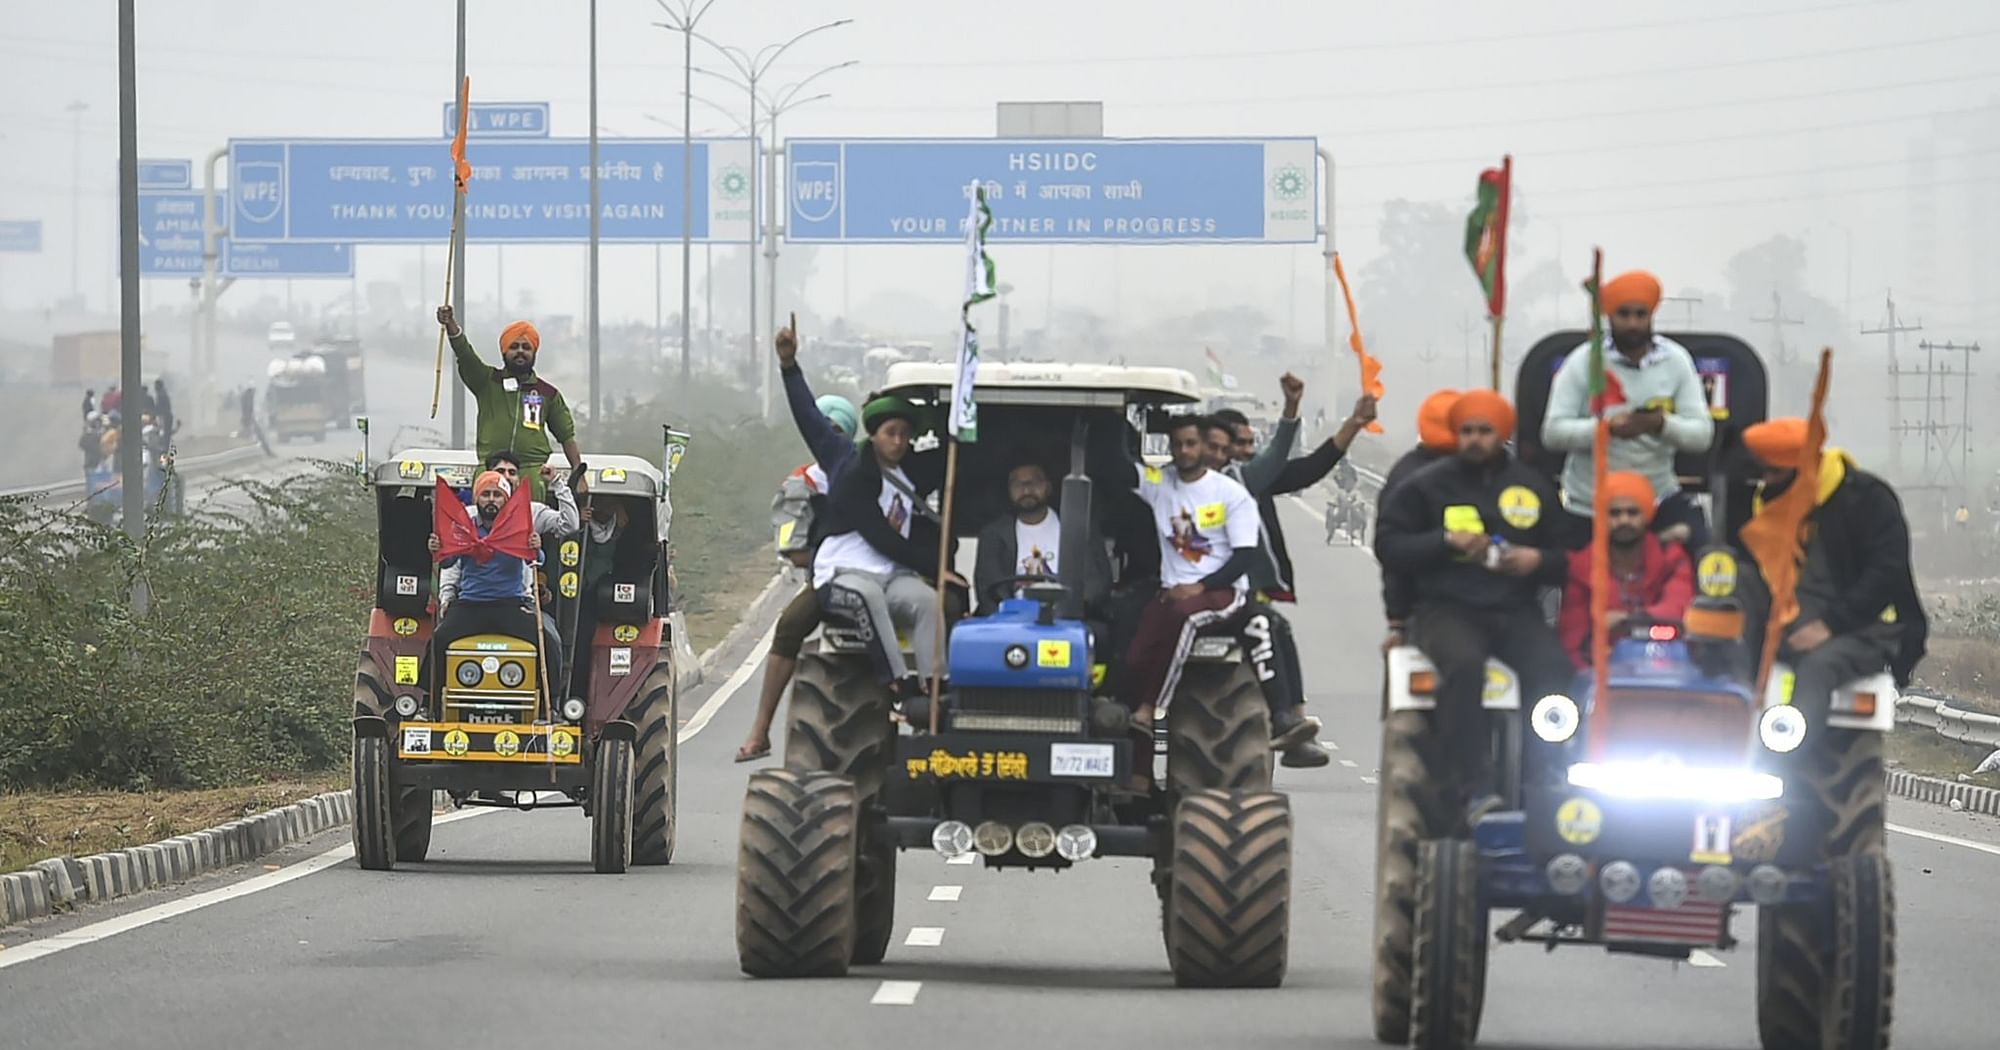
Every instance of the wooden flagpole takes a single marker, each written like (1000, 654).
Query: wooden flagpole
(944, 568)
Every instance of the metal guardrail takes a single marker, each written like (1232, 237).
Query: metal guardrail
(184, 465)
(1953, 723)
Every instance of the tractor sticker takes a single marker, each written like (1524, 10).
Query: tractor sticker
(405, 626)
(1762, 836)
(506, 743)
(1000, 765)
(1052, 653)
(624, 592)
(456, 743)
(562, 743)
(1579, 822)
(407, 668)
(416, 740)
(1497, 683)
(570, 553)
(406, 585)
(1717, 574)
(1711, 839)
(410, 468)
(625, 632)
(568, 585)
(1520, 506)
(621, 660)
(611, 475)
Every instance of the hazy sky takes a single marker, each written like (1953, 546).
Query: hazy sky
(1672, 135)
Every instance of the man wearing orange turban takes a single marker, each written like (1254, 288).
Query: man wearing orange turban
(518, 410)
(1656, 405)
(1653, 578)
(1477, 535)
(1435, 440)
(1859, 610)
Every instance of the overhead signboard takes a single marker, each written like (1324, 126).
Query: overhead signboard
(165, 175)
(20, 235)
(501, 120)
(399, 191)
(170, 240)
(1152, 191)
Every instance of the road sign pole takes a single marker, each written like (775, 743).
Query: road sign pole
(1332, 294)
(131, 440)
(458, 250)
(770, 258)
(211, 247)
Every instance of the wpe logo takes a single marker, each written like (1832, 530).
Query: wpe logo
(815, 189)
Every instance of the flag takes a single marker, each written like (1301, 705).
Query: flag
(462, 168)
(1773, 534)
(457, 534)
(1486, 234)
(1602, 383)
(1371, 369)
(1216, 376)
(978, 289)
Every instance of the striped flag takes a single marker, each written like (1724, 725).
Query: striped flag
(978, 288)
(1216, 376)
(1486, 234)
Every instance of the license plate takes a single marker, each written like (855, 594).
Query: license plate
(490, 718)
(1082, 760)
(417, 741)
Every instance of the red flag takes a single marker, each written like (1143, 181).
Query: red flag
(462, 168)
(457, 534)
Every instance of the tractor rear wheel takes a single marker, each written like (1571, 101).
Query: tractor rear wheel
(795, 874)
(1218, 731)
(1228, 907)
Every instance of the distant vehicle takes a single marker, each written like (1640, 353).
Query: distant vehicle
(314, 390)
(281, 337)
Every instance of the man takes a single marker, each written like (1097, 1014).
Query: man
(1435, 441)
(1649, 577)
(1663, 412)
(517, 409)
(1207, 525)
(1477, 534)
(163, 406)
(89, 403)
(868, 572)
(493, 596)
(558, 522)
(1859, 611)
(1029, 543)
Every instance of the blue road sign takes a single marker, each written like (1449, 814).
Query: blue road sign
(501, 120)
(286, 260)
(170, 245)
(1153, 191)
(20, 235)
(165, 175)
(388, 191)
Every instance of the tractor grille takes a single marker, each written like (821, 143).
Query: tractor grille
(1709, 729)
(1054, 711)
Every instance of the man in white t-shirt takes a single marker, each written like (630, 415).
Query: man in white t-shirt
(1208, 527)
(868, 572)
(1027, 543)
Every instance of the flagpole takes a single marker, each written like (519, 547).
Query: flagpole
(962, 421)
(944, 568)
(437, 373)
(1497, 320)
(460, 171)
(1600, 533)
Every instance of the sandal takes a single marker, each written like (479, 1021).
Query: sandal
(745, 754)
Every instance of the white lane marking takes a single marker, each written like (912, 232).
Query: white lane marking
(98, 931)
(964, 858)
(1952, 840)
(946, 893)
(1369, 780)
(1350, 763)
(730, 688)
(924, 937)
(1703, 959)
(897, 993)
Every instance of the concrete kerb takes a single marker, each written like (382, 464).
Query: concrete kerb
(61, 883)
(1971, 797)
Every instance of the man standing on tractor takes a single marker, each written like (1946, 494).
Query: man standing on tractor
(868, 572)
(492, 596)
(1477, 535)
(1859, 611)
(1652, 577)
(1435, 440)
(517, 409)
(1664, 412)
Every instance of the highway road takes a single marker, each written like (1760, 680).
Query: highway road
(505, 939)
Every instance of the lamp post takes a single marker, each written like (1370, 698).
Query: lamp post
(683, 20)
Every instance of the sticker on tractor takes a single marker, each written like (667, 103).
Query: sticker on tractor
(1759, 841)
(1497, 683)
(1052, 653)
(416, 740)
(405, 626)
(570, 553)
(611, 475)
(624, 592)
(1711, 839)
(625, 632)
(1083, 760)
(562, 743)
(410, 468)
(456, 743)
(506, 743)
(1579, 822)
(406, 585)
(1520, 506)
(1716, 574)
(407, 668)
(621, 661)
(567, 584)
(1000, 765)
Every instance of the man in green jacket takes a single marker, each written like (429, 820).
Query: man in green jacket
(517, 409)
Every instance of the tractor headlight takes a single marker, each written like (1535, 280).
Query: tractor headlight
(573, 708)
(470, 674)
(512, 674)
(1035, 839)
(406, 706)
(1555, 718)
(1782, 729)
(952, 838)
(992, 838)
(1076, 842)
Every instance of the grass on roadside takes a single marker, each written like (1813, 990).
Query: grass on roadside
(1921, 751)
(37, 825)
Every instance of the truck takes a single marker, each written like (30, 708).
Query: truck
(314, 390)
(88, 358)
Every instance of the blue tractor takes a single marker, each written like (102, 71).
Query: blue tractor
(1031, 763)
(1641, 820)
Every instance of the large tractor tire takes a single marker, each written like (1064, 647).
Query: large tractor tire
(1845, 777)
(371, 696)
(840, 721)
(1228, 908)
(374, 828)
(611, 807)
(874, 901)
(1218, 731)
(1410, 807)
(1446, 995)
(656, 757)
(795, 874)
(1791, 977)
(413, 824)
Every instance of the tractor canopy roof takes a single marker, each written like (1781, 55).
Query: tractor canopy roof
(1049, 385)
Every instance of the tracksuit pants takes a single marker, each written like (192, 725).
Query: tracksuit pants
(1274, 658)
(876, 606)
(1160, 646)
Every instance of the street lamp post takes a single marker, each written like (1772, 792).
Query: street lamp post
(684, 21)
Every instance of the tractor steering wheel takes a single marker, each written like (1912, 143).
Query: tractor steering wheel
(1005, 586)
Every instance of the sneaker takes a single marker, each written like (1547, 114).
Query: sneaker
(1306, 754)
(1291, 729)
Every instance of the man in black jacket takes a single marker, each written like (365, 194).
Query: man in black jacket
(1477, 533)
(1435, 441)
(1027, 543)
(1859, 611)
(867, 571)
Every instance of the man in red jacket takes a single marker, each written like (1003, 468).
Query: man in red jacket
(1653, 577)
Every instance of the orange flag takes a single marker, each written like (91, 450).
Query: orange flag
(1774, 535)
(463, 167)
(1371, 369)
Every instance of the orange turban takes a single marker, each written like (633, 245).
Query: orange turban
(1625, 484)
(520, 328)
(489, 478)
(1777, 442)
(1483, 404)
(1625, 289)
(1434, 430)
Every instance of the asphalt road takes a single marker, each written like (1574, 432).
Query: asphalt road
(505, 939)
